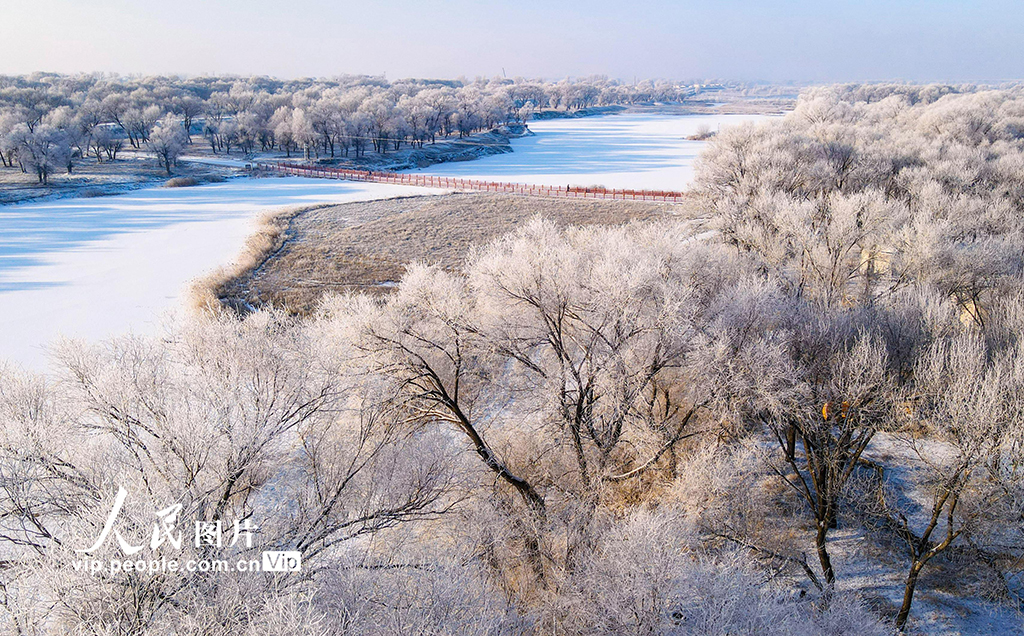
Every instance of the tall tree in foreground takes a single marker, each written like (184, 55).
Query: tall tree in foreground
(583, 336)
(825, 421)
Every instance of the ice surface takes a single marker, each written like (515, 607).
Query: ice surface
(97, 267)
(615, 151)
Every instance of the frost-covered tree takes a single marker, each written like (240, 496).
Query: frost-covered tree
(235, 422)
(585, 335)
(304, 134)
(892, 211)
(8, 140)
(42, 150)
(168, 141)
(106, 141)
(969, 403)
(188, 107)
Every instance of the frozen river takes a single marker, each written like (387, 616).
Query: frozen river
(97, 267)
(615, 151)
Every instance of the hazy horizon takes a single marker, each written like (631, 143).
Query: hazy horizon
(795, 40)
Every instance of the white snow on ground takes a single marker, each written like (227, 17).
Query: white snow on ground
(98, 267)
(615, 151)
(230, 162)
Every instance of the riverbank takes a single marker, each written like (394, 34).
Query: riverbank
(135, 170)
(91, 179)
(732, 106)
(298, 256)
(496, 141)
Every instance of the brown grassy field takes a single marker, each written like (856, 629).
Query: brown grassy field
(366, 246)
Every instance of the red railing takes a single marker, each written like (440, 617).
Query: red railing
(452, 183)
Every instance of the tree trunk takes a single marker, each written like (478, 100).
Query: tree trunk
(823, 556)
(536, 557)
(908, 595)
(580, 542)
(790, 443)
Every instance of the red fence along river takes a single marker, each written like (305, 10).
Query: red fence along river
(452, 183)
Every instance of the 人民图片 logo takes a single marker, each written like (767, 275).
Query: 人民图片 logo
(206, 535)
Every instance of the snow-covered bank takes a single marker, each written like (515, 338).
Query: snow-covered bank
(102, 266)
(615, 151)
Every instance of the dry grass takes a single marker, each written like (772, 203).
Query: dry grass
(300, 255)
(211, 293)
(181, 182)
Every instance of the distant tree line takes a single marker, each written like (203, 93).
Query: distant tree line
(49, 122)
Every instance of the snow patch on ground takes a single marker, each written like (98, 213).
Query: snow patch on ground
(227, 162)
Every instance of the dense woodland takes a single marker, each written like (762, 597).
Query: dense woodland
(48, 122)
(800, 416)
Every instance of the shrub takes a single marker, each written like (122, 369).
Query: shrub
(181, 182)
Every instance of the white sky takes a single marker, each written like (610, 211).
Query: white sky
(804, 40)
